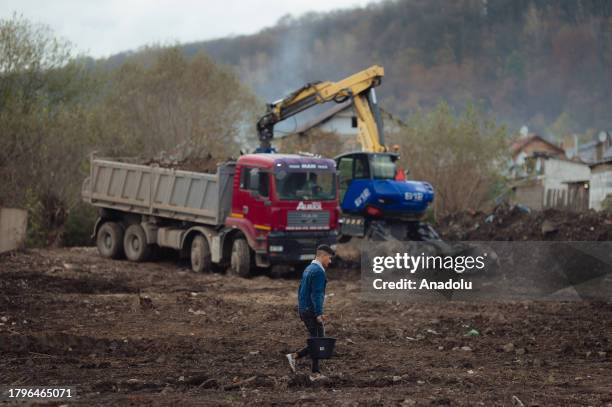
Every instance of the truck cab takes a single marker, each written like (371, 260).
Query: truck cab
(285, 205)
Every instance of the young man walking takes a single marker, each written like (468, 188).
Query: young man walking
(311, 296)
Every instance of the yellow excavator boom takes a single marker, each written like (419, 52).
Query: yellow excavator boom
(359, 87)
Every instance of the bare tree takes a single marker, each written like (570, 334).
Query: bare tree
(162, 101)
(461, 156)
(327, 144)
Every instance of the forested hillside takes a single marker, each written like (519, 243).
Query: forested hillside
(545, 63)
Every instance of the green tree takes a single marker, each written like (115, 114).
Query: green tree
(44, 96)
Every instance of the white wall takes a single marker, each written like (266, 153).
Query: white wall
(601, 186)
(341, 124)
(13, 223)
(557, 173)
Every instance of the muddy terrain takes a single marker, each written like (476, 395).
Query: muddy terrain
(516, 223)
(159, 334)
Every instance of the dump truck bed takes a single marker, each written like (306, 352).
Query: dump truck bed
(174, 194)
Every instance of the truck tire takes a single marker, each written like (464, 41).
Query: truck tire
(135, 244)
(201, 259)
(240, 263)
(109, 240)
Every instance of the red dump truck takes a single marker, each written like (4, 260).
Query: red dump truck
(260, 210)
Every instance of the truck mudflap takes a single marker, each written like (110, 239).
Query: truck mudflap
(296, 247)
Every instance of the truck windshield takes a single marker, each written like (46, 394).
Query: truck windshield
(306, 185)
(383, 166)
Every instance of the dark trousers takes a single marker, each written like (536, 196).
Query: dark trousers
(316, 330)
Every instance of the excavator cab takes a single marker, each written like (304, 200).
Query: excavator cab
(370, 194)
(364, 166)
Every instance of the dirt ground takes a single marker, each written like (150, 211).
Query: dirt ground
(69, 317)
(511, 223)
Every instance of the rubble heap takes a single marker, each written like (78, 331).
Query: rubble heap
(207, 164)
(515, 222)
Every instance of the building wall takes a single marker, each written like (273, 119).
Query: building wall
(557, 173)
(540, 147)
(551, 186)
(601, 185)
(530, 195)
(341, 124)
(13, 223)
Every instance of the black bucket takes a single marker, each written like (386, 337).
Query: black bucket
(321, 348)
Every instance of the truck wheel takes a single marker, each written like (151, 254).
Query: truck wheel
(201, 259)
(135, 244)
(240, 263)
(110, 240)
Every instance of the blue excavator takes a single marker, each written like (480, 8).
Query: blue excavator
(375, 202)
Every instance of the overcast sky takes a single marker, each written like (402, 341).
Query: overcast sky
(104, 27)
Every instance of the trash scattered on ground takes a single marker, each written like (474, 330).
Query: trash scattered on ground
(196, 312)
(517, 402)
(145, 301)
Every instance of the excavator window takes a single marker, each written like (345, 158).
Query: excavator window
(345, 172)
(350, 167)
(383, 166)
(362, 169)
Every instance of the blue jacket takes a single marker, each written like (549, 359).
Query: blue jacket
(311, 293)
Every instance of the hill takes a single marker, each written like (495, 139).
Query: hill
(544, 63)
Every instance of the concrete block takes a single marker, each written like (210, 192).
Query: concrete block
(13, 225)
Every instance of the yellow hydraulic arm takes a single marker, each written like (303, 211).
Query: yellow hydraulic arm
(359, 87)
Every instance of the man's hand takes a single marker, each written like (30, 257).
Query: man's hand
(322, 318)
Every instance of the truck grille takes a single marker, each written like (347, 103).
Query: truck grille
(310, 220)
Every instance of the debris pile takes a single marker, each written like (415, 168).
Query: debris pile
(207, 163)
(518, 223)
